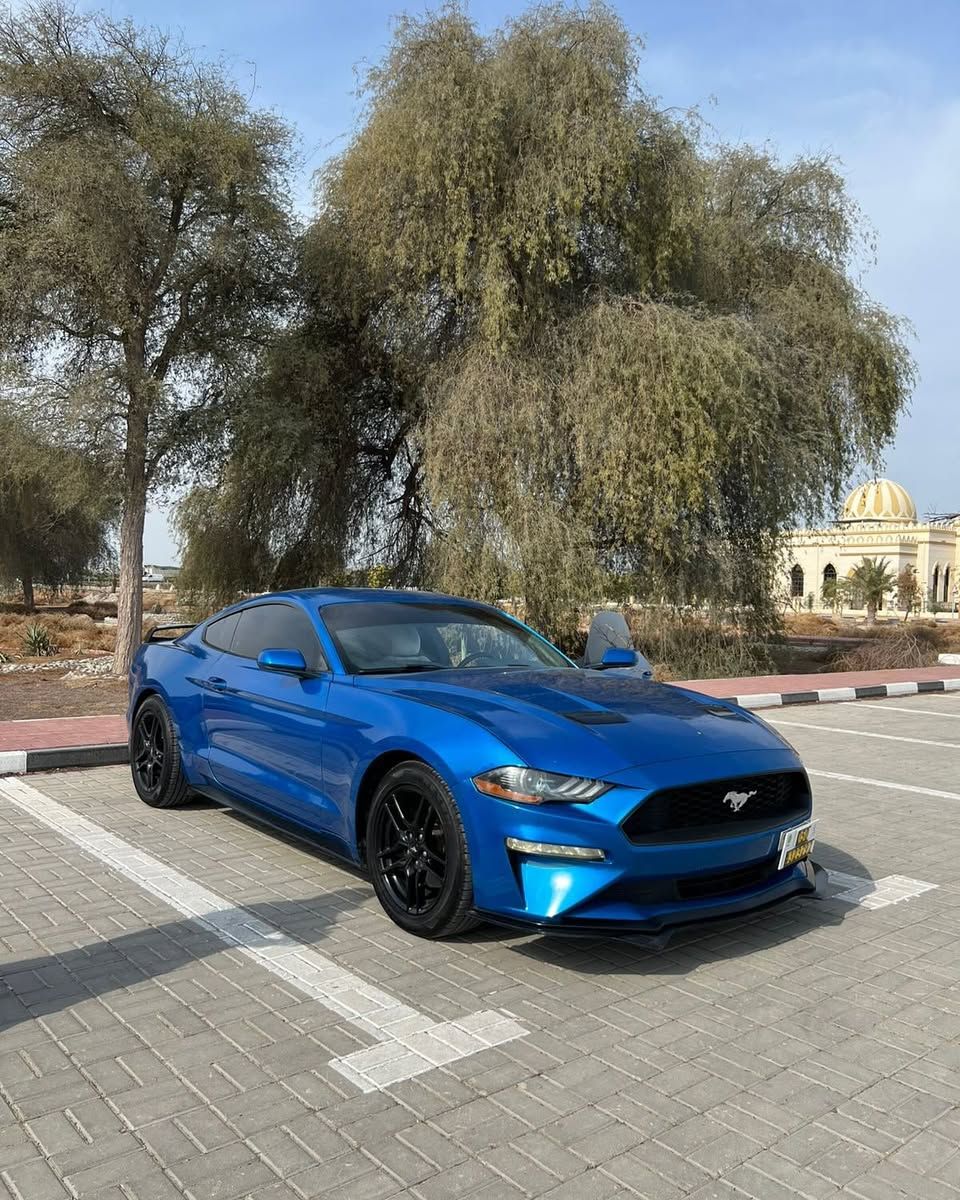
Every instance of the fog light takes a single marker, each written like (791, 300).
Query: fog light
(552, 850)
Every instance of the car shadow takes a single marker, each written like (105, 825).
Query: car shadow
(44, 984)
(690, 946)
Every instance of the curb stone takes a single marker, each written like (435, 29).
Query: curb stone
(54, 758)
(874, 691)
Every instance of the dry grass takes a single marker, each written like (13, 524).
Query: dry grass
(681, 646)
(904, 646)
(805, 624)
(74, 634)
(75, 627)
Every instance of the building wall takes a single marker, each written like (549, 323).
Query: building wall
(922, 547)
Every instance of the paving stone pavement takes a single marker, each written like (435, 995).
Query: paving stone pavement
(811, 1050)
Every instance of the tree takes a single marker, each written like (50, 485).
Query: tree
(629, 351)
(144, 247)
(908, 591)
(57, 514)
(871, 579)
(833, 593)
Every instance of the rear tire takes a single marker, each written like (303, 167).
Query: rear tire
(155, 761)
(417, 853)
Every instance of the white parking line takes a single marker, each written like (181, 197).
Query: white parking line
(877, 893)
(886, 783)
(410, 1042)
(887, 737)
(883, 706)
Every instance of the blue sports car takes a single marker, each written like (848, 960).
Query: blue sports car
(471, 767)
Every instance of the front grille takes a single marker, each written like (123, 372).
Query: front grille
(704, 811)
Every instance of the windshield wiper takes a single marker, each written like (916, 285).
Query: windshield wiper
(404, 670)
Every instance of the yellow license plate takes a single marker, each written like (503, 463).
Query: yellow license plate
(796, 844)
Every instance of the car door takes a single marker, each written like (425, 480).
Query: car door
(264, 729)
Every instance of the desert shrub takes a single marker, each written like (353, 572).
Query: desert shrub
(899, 649)
(96, 609)
(684, 646)
(37, 641)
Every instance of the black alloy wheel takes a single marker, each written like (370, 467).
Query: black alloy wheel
(417, 853)
(411, 849)
(149, 745)
(155, 756)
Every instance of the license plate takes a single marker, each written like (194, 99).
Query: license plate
(796, 844)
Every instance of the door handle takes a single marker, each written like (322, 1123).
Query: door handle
(216, 683)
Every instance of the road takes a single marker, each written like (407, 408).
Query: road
(193, 1006)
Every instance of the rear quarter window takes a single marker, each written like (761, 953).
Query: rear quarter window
(219, 633)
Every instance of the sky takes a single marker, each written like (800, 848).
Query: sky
(872, 82)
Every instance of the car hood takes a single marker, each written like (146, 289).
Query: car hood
(587, 722)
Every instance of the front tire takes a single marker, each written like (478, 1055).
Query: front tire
(155, 761)
(417, 853)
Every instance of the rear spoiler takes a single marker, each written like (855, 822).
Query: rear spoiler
(152, 635)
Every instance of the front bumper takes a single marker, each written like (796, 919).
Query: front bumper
(636, 888)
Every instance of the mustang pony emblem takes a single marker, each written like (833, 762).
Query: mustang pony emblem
(737, 800)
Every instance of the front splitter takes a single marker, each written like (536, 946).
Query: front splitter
(656, 934)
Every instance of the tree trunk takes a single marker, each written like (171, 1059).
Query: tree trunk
(130, 584)
(27, 584)
(871, 612)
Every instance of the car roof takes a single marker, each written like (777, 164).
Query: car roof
(353, 595)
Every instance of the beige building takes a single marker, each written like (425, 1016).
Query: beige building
(879, 520)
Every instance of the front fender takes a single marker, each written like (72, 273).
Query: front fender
(363, 726)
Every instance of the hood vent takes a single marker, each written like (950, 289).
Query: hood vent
(588, 716)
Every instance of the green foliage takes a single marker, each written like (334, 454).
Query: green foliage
(378, 576)
(58, 510)
(145, 246)
(834, 593)
(37, 642)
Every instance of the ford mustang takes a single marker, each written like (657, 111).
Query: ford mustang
(474, 770)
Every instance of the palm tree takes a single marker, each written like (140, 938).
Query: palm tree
(872, 579)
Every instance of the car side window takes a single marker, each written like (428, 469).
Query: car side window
(277, 627)
(219, 634)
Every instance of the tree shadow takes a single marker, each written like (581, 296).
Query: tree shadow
(45, 984)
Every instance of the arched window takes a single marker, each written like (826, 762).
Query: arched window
(796, 580)
(946, 585)
(829, 573)
(935, 590)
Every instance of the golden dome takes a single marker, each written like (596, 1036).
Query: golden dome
(879, 500)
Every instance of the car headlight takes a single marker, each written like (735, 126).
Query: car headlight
(525, 785)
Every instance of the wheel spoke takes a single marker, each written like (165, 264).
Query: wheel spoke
(421, 814)
(437, 861)
(395, 813)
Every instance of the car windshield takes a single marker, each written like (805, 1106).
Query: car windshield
(384, 638)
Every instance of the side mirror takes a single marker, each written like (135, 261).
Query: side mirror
(291, 662)
(618, 656)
